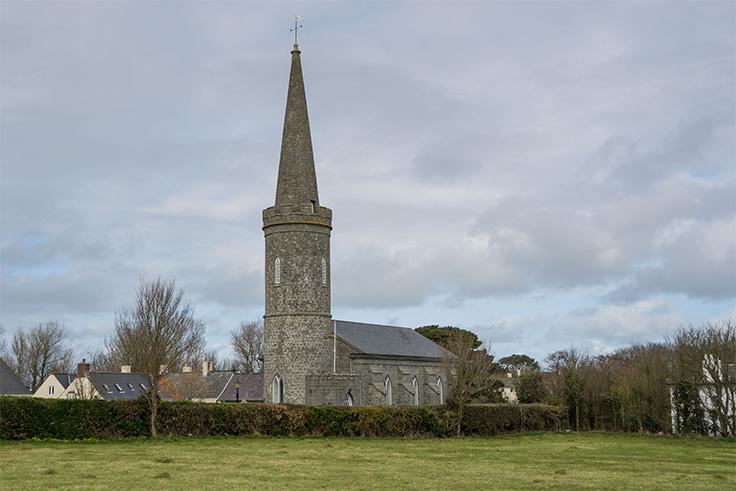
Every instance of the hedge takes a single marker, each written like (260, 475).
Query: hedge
(24, 417)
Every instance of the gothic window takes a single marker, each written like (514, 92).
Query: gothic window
(277, 390)
(415, 388)
(441, 390)
(348, 399)
(389, 392)
(277, 271)
(324, 272)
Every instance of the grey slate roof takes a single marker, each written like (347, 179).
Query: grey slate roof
(221, 386)
(64, 378)
(251, 388)
(130, 383)
(375, 339)
(10, 384)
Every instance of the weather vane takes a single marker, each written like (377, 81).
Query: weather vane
(295, 30)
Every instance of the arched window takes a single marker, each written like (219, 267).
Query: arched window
(324, 272)
(277, 271)
(277, 390)
(389, 391)
(348, 399)
(441, 390)
(415, 388)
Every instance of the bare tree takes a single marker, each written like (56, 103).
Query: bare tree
(3, 341)
(40, 351)
(157, 335)
(247, 341)
(566, 366)
(471, 373)
(704, 378)
(106, 361)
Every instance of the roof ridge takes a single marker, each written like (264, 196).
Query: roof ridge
(374, 324)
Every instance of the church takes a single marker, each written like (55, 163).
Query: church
(308, 357)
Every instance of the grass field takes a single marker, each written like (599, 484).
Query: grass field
(534, 461)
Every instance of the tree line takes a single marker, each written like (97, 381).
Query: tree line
(636, 388)
(688, 381)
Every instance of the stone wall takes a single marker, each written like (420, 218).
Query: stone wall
(373, 372)
(297, 329)
(331, 389)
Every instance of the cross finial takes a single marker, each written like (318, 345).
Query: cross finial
(295, 30)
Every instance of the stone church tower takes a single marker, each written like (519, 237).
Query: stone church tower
(297, 322)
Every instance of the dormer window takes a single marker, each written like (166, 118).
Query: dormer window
(277, 271)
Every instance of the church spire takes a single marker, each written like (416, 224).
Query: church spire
(297, 181)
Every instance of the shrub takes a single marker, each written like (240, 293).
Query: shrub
(23, 417)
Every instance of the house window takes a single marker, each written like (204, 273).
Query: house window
(389, 391)
(277, 390)
(415, 388)
(441, 390)
(348, 399)
(277, 271)
(51, 390)
(324, 272)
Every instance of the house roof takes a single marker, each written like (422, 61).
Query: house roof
(220, 385)
(375, 339)
(64, 378)
(10, 384)
(251, 387)
(107, 383)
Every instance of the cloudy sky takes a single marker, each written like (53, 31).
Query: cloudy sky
(546, 174)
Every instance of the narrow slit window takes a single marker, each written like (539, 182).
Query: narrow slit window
(277, 271)
(389, 391)
(324, 272)
(415, 388)
(277, 390)
(441, 390)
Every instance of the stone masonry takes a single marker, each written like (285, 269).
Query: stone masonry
(297, 232)
(299, 344)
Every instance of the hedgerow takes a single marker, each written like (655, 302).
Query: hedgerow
(24, 417)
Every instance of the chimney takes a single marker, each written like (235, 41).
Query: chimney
(186, 369)
(82, 369)
(125, 369)
(206, 367)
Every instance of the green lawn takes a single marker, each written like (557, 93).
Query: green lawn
(535, 461)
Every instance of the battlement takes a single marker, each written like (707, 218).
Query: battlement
(309, 214)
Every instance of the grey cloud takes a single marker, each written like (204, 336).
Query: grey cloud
(489, 161)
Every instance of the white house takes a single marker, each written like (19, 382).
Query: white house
(109, 386)
(54, 385)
